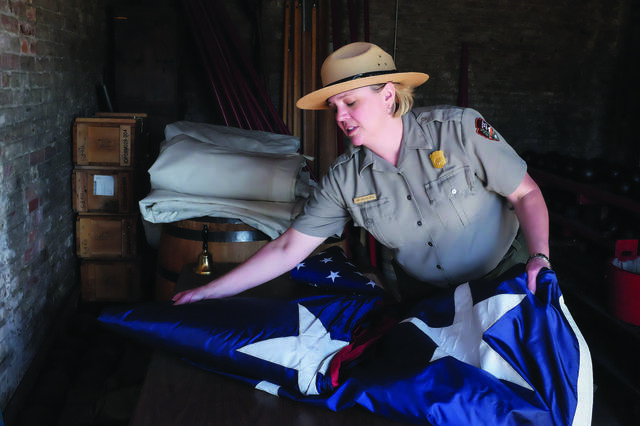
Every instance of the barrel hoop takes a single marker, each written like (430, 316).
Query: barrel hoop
(216, 236)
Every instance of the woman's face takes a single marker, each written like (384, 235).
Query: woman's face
(361, 113)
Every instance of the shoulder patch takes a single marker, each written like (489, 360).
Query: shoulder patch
(484, 129)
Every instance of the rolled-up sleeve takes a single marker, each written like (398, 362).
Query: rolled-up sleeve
(325, 214)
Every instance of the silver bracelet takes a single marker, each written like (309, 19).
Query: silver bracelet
(541, 256)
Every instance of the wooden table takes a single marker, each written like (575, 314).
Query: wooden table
(176, 393)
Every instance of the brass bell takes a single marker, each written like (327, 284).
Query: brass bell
(205, 260)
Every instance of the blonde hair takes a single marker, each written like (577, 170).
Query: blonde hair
(404, 97)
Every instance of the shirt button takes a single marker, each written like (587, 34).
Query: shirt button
(438, 266)
(409, 197)
(419, 223)
(454, 191)
(430, 244)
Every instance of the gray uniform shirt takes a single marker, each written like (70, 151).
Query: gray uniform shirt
(444, 216)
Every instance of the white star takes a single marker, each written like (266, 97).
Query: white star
(310, 352)
(371, 283)
(326, 260)
(300, 265)
(333, 276)
(463, 339)
(268, 387)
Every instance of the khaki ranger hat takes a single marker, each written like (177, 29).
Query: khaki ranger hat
(357, 65)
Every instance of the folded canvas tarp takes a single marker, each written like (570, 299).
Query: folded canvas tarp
(218, 171)
(188, 166)
(232, 137)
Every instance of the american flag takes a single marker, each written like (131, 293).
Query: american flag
(331, 271)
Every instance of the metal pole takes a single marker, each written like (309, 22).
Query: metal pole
(395, 33)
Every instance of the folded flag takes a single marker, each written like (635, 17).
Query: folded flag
(289, 342)
(331, 271)
(485, 353)
(488, 353)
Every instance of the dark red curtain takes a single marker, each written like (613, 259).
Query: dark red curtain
(242, 98)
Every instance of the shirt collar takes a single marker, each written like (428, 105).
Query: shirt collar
(414, 135)
(413, 138)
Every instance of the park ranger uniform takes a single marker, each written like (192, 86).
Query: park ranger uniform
(442, 210)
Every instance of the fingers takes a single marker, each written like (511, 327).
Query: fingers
(184, 297)
(532, 276)
(531, 282)
(178, 299)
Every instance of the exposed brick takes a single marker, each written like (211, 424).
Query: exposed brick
(33, 205)
(27, 29)
(32, 281)
(27, 63)
(48, 70)
(37, 157)
(9, 61)
(30, 13)
(9, 24)
(50, 152)
(6, 97)
(9, 43)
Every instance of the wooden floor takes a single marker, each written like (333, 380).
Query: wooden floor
(176, 393)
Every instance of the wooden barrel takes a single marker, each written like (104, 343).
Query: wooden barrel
(230, 241)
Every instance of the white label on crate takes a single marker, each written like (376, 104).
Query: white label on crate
(103, 185)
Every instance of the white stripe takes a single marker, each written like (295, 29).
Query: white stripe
(584, 386)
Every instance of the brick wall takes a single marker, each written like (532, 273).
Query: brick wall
(51, 57)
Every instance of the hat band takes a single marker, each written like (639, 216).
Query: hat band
(361, 75)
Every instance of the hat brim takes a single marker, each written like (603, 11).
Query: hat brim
(318, 98)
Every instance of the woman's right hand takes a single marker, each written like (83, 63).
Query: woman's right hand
(272, 260)
(193, 295)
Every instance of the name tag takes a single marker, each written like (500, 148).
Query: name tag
(365, 198)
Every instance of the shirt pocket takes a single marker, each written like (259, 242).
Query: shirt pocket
(453, 197)
(377, 217)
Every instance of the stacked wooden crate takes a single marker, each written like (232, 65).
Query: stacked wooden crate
(106, 157)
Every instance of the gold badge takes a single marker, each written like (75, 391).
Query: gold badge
(365, 198)
(437, 159)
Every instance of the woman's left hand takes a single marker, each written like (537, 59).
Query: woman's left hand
(533, 268)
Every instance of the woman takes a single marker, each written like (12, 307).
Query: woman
(438, 186)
